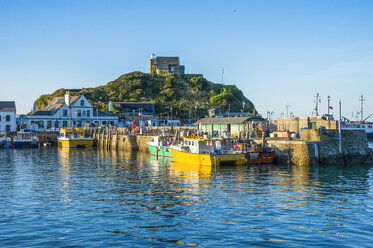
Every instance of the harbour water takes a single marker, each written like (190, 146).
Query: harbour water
(89, 198)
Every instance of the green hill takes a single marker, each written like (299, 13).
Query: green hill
(181, 92)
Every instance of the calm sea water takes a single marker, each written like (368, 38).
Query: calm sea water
(88, 198)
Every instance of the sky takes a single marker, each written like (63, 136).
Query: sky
(277, 52)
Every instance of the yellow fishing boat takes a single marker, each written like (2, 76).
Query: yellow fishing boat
(74, 137)
(207, 151)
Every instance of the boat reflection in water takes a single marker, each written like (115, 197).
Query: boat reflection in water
(191, 178)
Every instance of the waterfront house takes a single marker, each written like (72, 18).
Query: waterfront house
(58, 114)
(8, 118)
(235, 126)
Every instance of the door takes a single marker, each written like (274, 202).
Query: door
(313, 125)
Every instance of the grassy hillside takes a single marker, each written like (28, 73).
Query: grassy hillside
(181, 92)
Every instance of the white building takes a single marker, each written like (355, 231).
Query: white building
(58, 114)
(8, 118)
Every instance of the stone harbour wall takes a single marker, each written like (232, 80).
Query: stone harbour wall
(355, 147)
(321, 147)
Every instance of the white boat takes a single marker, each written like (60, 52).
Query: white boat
(25, 139)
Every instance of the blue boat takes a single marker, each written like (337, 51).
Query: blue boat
(5, 142)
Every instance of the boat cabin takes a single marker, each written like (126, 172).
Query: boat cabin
(207, 145)
(160, 141)
(74, 133)
(25, 134)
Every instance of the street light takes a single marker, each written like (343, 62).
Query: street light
(97, 112)
(195, 113)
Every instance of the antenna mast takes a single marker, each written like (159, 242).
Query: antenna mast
(222, 75)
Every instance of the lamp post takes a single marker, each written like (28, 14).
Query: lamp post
(97, 111)
(195, 113)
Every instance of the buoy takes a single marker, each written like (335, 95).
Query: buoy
(158, 150)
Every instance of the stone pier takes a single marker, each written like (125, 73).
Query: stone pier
(321, 147)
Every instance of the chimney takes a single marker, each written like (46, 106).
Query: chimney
(34, 108)
(67, 98)
(110, 106)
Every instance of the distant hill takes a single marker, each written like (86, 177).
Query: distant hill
(181, 92)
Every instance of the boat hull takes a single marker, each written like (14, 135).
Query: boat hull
(8, 144)
(163, 151)
(24, 144)
(75, 143)
(207, 159)
(260, 157)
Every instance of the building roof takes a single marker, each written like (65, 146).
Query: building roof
(103, 113)
(58, 102)
(146, 107)
(238, 114)
(168, 60)
(229, 120)
(44, 113)
(216, 109)
(7, 106)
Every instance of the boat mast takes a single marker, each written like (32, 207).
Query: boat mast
(328, 105)
(317, 104)
(362, 107)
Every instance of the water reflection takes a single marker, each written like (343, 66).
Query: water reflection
(117, 198)
(190, 178)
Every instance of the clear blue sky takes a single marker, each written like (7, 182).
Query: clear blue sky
(276, 52)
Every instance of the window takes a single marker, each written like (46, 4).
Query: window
(64, 124)
(84, 113)
(79, 124)
(88, 113)
(40, 124)
(81, 102)
(0, 117)
(79, 113)
(7, 128)
(56, 124)
(65, 112)
(7, 118)
(49, 124)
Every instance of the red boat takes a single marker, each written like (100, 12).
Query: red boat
(259, 155)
